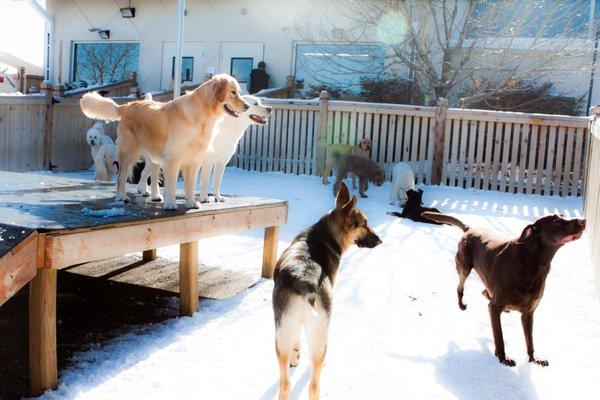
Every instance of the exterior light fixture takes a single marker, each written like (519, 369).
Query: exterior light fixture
(104, 34)
(128, 12)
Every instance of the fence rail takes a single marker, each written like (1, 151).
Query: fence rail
(503, 151)
(592, 193)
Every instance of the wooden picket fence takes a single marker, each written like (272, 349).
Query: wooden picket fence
(592, 193)
(503, 151)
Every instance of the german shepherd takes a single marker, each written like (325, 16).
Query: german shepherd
(304, 278)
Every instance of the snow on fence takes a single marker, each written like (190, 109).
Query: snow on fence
(503, 151)
(592, 193)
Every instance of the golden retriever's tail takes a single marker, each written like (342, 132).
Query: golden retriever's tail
(445, 219)
(97, 107)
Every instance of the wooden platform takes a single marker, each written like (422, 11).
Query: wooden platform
(49, 222)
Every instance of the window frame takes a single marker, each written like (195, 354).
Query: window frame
(72, 68)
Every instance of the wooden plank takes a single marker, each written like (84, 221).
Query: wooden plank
(271, 142)
(566, 184)
(337, 126)
(114, 241)
(531, 164)
(577, 171)
(406, 138)
(391, 139)
(188, 278)
(423, 137)
(471, 160)
(309, 167)
(464, 135)
(517, 117)
(271, 240)
(489, 147)
(559, 171)
(382, 139)
(506, 140)
(302, 159)
(399, 134)
(428, 163)
(550, 157)
(42, 332)
(454, 149)
(416, 128)
(519, 169)
(295, 133)
(543, 136)
(496, 129)
(375, 136)
(285, 137)
(479, 168)
(277, 144)
(149, 255)
(18, 266)
(447, 155)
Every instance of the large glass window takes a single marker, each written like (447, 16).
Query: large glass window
(531, 18)
(102, 62)
(187, 69)
(241, 67)
(340, 65)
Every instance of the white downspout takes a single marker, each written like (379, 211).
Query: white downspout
(179, 49)
(48, 40)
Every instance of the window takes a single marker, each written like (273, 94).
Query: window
(341, 65)
(101, 62)
(187, 69)
(531, 18)
(240, 68)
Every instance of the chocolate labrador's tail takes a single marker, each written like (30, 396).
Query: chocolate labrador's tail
(445, 219)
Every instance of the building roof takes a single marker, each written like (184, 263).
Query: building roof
(14, 63)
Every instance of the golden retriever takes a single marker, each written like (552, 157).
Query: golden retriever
(175, 135)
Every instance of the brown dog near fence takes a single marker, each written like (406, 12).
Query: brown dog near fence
(513, 272)
(362, 148)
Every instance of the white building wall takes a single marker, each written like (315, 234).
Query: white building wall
(214, 24)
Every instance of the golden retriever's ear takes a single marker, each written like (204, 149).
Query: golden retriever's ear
(220, 89)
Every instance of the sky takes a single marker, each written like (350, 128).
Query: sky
(22, 30)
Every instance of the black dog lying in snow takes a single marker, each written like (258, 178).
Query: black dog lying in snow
(413, 208)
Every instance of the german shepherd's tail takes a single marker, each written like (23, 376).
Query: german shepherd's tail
(97, 107)
(445, 219)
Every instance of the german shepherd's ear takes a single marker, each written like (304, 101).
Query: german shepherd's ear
(349, 206)
(220, 88)
(342, 197)
(529, 232)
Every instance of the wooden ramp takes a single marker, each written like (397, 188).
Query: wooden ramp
(163, 275)
(18, 259)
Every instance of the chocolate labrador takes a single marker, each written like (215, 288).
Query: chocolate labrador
(513, 272)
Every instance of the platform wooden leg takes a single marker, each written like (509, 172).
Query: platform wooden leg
(42, 332)
(270, 251)
(149, 255)
(188, 278)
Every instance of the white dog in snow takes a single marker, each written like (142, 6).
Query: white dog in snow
(105, 163)
(225, 143)
(403, 179)
(96, 138)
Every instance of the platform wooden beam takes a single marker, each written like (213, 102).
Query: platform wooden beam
(188, 278)
(270, 251)
(149, 255)
(42, 332)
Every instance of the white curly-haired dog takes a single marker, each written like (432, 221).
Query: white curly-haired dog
(403, 179)
(106, 163)
(96, 138)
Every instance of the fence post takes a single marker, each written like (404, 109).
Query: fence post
(438, 140)
(46, 87)
(594, 113)
(322, 132)
(22, 81)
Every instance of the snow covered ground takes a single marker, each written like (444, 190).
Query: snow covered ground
(396, 331)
